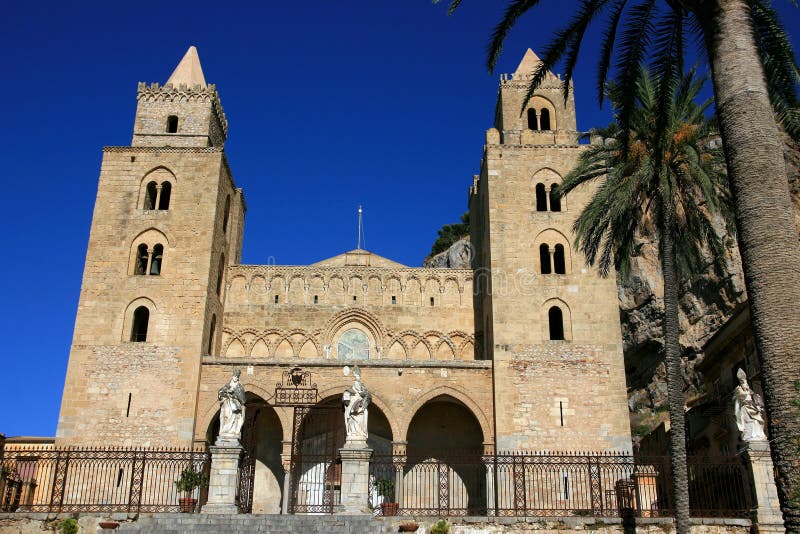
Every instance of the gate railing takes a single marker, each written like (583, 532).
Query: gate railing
(44, 479)
(552, 484)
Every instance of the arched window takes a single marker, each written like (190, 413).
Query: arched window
(544, 119)
(555, 318)
(141, 259)
(226, 214)
(541, 198)
(158, 256)
(219, 274)
(151, 192)
(141, 316)
(172, 124)
(166, 192)
(353, 345)
(532, 125)
(544, 258)
(555, 200)
(211, 331)
(559, 263)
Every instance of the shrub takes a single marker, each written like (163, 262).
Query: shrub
(69, 526)
(440, 527)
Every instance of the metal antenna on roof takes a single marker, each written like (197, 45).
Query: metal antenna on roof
(360, 227)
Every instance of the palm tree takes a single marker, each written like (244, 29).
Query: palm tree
(668, 184)
(754, 77)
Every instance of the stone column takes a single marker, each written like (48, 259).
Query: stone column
(224, 480)
(286, 462)
(355, 479)
(769, 518)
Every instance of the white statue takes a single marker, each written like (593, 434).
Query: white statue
(356, 400)
(231, 410)
(749, 410)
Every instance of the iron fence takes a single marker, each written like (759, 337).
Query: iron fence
(551, 485)
(43, 479)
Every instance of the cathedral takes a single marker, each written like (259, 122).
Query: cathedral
(520, 352)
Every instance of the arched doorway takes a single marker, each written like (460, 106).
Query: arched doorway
(444, 472)
(317, 436)
(261, 477)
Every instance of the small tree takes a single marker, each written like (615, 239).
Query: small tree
(385, 488)
(189, 480)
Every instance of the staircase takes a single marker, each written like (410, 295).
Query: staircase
(248, 523)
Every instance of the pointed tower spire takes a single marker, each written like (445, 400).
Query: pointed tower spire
(188, 71)
(530, 62)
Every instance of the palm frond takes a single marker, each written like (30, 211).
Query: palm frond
(513, 12)
(607, 47)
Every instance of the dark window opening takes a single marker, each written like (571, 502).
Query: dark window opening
(150, 196)
(355, 298)
(141, 260)
(226, 214)
(141, 316)
(532, 124)
(212, 328)
(220, 274)
(555, 200)
(172, 124)
(166, 192)
(544, 119)
(316, 299)
(394, 299)
(541, 198)
(544, 258)
(155, 263)
(559, 262)
(431, 301)
(128, 411)
(561, 411)
(556, 320)
(276, 299)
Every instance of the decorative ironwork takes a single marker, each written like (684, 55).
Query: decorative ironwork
(247, 464)
(296, 389)
(557, 485)
(48, 480)
(317, 435)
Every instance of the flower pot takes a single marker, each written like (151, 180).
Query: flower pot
(408, 527)
(109, 525)
(389, 508)
(187, 505)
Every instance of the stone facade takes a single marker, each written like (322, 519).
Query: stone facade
(507, 354)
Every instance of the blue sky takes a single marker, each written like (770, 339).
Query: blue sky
(330, 105)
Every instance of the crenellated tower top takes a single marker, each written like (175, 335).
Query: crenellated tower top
(184, 112)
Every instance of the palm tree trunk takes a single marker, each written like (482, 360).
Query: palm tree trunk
(672, 359)
(767, 237)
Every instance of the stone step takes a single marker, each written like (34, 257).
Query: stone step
(246, 524)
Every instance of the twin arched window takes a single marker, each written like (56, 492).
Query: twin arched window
(539, 119)
(552, 260)
(157, 196)
(149, 261)
(543, 195)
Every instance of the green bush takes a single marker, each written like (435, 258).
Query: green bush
(440, 527)
(69, 526)
(385, 488)
(189, 480)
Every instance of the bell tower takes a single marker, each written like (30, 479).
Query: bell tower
(548, 321)
(168, 220)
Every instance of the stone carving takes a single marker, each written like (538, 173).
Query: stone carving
(231, 410)
(356, 404)
(749, 410)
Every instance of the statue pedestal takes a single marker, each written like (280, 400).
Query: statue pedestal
(224, 478)
(768, 511)
(355, 478)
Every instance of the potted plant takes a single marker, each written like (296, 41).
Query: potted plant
(409, 526)
(189, 480)
(385, 488)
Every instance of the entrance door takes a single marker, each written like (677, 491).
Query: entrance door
(317, 435)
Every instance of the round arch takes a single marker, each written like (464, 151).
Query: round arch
(447, 391)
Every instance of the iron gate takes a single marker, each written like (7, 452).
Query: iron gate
(247, 463)
(317, 434)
